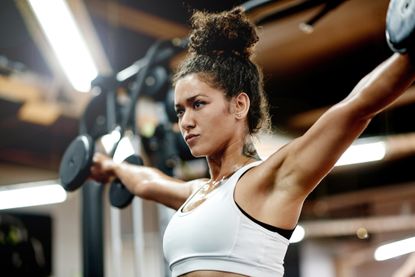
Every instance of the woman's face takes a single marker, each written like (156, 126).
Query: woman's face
(204, 116)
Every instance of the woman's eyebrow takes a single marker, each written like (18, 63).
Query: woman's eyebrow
(191, 99)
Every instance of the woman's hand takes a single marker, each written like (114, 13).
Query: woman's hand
(103, 168)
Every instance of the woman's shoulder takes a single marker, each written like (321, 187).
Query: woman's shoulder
(268, 173)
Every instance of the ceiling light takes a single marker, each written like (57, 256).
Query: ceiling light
(66, 41)
(31, 194)
(298, 234)
(395, 249)
(365, 150)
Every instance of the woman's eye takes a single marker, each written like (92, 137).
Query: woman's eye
(198, 104)
(179, 113)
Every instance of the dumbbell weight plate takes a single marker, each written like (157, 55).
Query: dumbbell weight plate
(400, 25)
(76, 162)
(120, 196)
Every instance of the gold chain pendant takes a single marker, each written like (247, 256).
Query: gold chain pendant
(202, 194)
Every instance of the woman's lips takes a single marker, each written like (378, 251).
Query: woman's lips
(190, 138)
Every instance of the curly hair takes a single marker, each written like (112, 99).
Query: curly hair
(220, 50)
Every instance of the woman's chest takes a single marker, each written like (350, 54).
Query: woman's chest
(208, 229)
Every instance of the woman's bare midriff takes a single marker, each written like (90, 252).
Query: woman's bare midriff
(211, 273)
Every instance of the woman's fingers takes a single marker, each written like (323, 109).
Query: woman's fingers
(102, 168)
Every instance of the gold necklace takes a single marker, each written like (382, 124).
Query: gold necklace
(204, 192)
(213, 184)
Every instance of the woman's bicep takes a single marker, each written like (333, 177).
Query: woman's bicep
(312, 156)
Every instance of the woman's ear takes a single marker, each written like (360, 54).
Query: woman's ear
(241, 105)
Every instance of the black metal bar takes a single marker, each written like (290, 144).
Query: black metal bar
(291, 10)
(331, 5)
(163, 55)
(92, 229)
(151, 56)
(255, 4)
(92, 223)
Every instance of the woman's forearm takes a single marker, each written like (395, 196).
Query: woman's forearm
(152, 184)
(383, 85)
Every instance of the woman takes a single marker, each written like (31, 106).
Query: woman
(239, 221)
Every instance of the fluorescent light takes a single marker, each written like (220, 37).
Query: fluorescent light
(363, 152)
(31, 194)
(395, 249)
(66, 41)
(298, 234)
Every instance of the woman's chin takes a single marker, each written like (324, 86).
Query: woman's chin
(197, 153)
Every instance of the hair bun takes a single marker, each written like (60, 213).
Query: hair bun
(225, 33)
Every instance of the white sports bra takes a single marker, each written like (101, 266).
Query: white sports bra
(217, 236)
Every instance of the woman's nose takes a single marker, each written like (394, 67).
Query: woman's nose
(187, 121)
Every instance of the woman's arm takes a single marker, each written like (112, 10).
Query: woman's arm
(309, 158)
(145, 182)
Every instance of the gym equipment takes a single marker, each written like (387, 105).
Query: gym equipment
(150, 79)
(308, 26)
(76, 161)
(400, 25)
(25, 244)
(120, 197)
(169, 106)
(75, 165)
(92, 223)
(99, 115)
(156, 84)
(251, 8)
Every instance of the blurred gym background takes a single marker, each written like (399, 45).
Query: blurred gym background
(312, 52)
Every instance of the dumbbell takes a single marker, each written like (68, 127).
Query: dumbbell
(75, 169)
(119, 195)
(400, 25)
(76, 162)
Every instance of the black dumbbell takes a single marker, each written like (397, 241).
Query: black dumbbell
(119, 195)
(75, 169)
(76, 162)
(400, 25)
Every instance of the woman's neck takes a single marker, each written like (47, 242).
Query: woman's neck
(235, 156)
